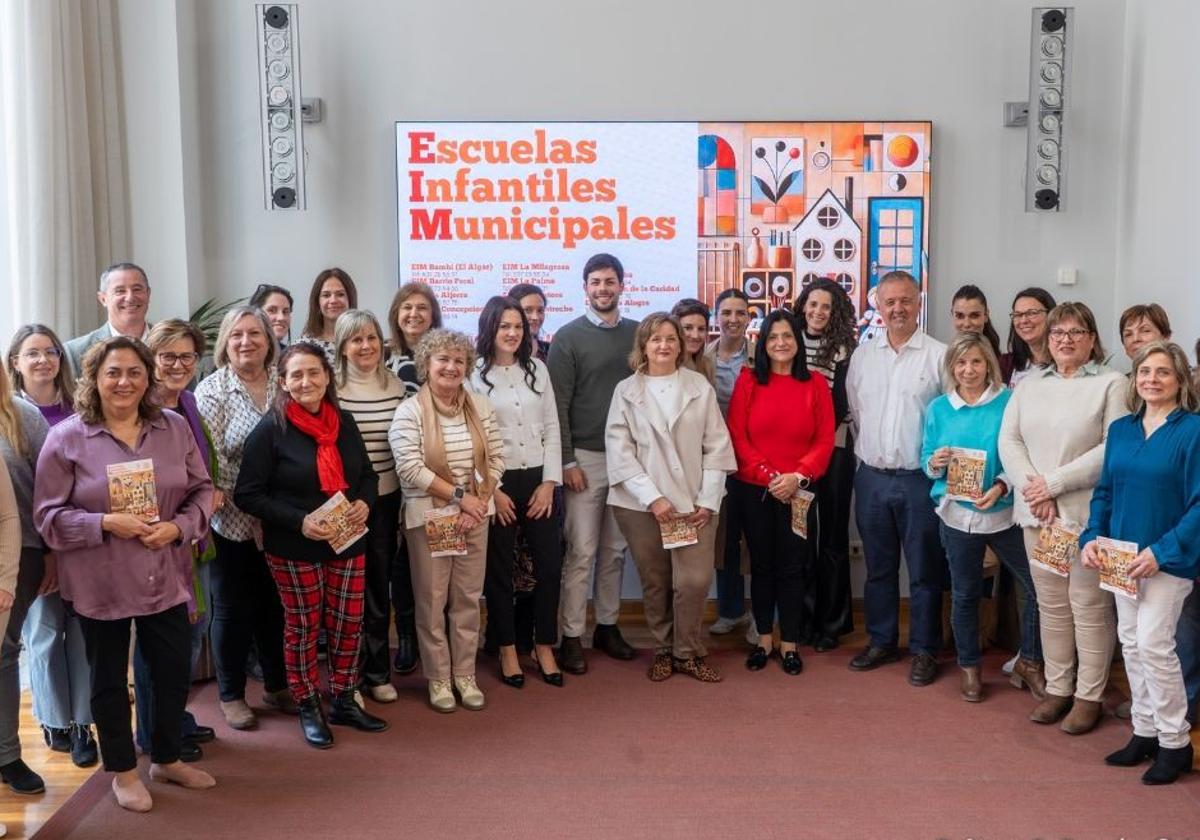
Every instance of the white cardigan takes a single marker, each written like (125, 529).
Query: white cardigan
(685, 456)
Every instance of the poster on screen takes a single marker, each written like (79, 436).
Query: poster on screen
(484, 206)
(690, 209)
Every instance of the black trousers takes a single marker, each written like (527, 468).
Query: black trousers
(826, 610)
(245, 604)
(402, 594)
(166, 641)
(778, 558)
(544, 537)
(383, 537)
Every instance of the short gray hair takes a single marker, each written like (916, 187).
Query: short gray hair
(347, 325)
(438, 341)
(122, 266)
(221, 350)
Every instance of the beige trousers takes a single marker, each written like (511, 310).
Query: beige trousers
(593, 539)
(675, 582)
(447, 587)
(1147, 630)
(1078, 625)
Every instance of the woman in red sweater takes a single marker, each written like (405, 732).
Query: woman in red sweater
(781, 423)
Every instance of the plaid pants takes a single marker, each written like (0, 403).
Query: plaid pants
(332, 591)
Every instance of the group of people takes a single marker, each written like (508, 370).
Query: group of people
(308, 490)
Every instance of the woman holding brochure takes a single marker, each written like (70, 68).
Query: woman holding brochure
(1052, 447)
(973, 499)
(668, 453)
(1149, 497)
(782, 426)
(120, 495)
(450, 459)
(307, 475)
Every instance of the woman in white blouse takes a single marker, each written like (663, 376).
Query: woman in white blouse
(449, 454)
(245, 602)
(668, 452)
(518, 387)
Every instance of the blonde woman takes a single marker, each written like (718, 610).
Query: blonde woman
(1052, 447)
(370, 394)
(448, 451)
(668, 453)
(693, 317)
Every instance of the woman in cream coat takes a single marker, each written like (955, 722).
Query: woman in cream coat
(668, 452)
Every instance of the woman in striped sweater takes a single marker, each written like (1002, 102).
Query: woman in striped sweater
(370, 393)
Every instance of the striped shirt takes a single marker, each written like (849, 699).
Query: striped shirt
(812, 346)
(373, 407)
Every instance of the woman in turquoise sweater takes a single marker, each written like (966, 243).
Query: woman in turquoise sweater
(960, 453)
(1149, 494)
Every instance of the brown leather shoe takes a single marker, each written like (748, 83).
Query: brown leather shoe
(972, 684)
(1084, 716)
(1028, 674)
(660, 668)
(570, 655)
(923, 670)
(1051, 709)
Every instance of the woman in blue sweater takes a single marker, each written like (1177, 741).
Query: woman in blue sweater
(960, 448)
(1149, 494)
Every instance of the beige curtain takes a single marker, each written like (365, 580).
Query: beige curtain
(61, 163)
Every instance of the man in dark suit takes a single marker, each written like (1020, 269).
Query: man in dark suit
(125, 293)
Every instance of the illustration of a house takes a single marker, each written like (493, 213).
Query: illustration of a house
(828, 244)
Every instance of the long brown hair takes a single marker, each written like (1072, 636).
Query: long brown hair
(87, 393)
(314, 326)
(10, 422)
(64, 381)
(399, 345)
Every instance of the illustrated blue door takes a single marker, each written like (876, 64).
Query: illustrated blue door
(896, 233)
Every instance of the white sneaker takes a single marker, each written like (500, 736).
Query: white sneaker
(725, 625)
(1007, 667)
(385, 693)
(472, 697)
(441, 698)
(752, 635)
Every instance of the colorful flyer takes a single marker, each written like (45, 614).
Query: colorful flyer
(678, 533)
(801, 502)
(1057, 545)
(1116, 556)
(441, 528)
(131, 489)
(335, 513)
(964, 474)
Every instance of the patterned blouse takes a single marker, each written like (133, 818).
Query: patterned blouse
(231, 415)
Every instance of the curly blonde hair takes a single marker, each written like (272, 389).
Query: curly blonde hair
(439, 341)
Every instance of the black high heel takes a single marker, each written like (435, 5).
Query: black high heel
(554, 678)
(516, 680)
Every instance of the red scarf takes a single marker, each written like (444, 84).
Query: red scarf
(323, 427)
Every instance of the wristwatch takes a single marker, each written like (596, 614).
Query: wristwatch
(459, 493)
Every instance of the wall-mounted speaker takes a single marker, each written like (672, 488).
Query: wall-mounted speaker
(1050, 51)
(280, 106)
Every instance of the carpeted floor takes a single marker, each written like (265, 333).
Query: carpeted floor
(828, 754)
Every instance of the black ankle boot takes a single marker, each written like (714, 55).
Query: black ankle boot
(1169, 765)
(312, 723)
(1139, 748)
(347, 711)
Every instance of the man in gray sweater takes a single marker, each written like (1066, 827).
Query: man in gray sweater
(588, 357)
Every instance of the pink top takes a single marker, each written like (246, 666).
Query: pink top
(103, 576)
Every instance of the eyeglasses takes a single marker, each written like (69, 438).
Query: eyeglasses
(1075, 333)
(1026, 314)
(172, 359)
(50, 353)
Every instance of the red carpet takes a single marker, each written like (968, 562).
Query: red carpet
(827, 754)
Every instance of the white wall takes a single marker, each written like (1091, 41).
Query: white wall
(1158, 220)
(952, 61)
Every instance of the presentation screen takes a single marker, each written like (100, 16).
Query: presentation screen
(689, 208)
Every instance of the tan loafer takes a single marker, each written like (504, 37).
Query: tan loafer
(1084, 716)
(238, 714)
(1051, 709)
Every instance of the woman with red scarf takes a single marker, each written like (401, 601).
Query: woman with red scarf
(299, 456)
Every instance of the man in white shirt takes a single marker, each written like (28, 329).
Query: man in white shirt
(892, 378)
(125, 293)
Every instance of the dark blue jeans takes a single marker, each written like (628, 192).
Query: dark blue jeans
(1187, 647)
(894, 513)
(731, 583)
(965, 554)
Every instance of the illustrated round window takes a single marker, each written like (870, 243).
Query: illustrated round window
(812, 249)
(846, 281)
(828, 217)
(843, 249)
(809, 279)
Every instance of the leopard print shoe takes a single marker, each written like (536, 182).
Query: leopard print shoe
(696, 668)
(661, 668)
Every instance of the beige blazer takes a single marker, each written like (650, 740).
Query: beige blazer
(685, 456)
